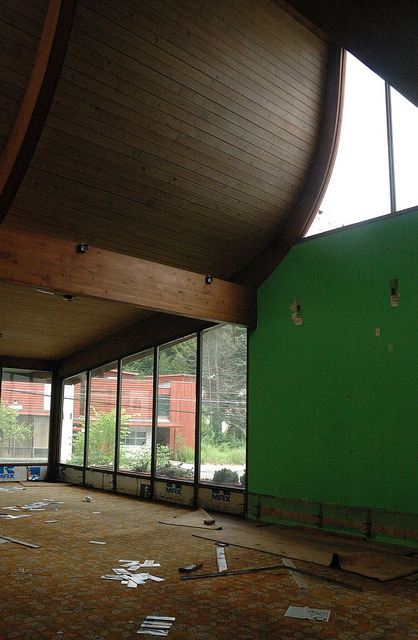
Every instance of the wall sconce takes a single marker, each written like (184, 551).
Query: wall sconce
(394, 293)
(296, 307)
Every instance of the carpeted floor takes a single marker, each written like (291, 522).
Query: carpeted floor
(56, 592)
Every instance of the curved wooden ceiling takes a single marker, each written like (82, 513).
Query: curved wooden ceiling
(176, 135)
(194, 135)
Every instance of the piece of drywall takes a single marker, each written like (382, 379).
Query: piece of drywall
(332, 400)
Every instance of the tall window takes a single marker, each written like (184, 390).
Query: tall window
(24, 415)
(224, 405)
(175, 448)
(405, 145)
(168, 430)
(102, 417)
(362, 178)
(73, 425)
(136, 413)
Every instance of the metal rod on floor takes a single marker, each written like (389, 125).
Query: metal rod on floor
(338, 583)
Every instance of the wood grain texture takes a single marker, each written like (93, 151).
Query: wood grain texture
(174, 131)
(27, 128)
(56, 265)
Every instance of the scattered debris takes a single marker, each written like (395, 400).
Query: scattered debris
(338, 583)
(88, 499)
(126, 574)
(190, 568)
(40, 506)
(300, 581)
(220, 559)
(96, 542)
(305, 613)
(156, 625)
(209, 521)
(24, 573)
(25, 544)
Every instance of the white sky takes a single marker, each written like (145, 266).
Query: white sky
(359, 186)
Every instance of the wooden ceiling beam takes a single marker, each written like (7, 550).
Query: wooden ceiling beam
(60, 266)
(37, 100)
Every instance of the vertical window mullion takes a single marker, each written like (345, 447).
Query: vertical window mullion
(390, 149)
(118, 419)
(198, 414)
(154, 417)
(86, 424)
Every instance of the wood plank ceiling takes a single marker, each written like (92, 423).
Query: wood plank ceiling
(178, 132)
(175, 135)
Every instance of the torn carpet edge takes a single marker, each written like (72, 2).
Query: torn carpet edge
(194, 519)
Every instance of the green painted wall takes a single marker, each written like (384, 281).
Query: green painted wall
(333, 407)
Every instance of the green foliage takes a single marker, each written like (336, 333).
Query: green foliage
(101, 444)
(143, 366)
(175, 471)
(140, 460)
(225, 476)
(222, 454)
(11, 431)
(178, 358)
(224, 379)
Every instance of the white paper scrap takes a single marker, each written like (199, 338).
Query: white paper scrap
(220, 559)
(156, 578)
(130, 561)
(139, 579)
(132, 584)
(306, 613)
(162, 618)
(121, 571)
(96, 542)
(298, 578)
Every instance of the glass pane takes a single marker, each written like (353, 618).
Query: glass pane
(405, 144)
(359, 186)
(73, 425)
(224, 405)
(102, 418)
(136, 419)
(24, 415)
(176, 409)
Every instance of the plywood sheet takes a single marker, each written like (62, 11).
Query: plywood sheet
(327, 550)
(193, 519)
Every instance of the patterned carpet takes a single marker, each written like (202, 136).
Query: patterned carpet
(56, 591)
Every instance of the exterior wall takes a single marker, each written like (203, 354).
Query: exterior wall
(332, 402)
(137, 400)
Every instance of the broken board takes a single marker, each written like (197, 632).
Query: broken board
(194, 519)
(319, 549)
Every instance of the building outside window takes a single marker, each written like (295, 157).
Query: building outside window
(24, 415)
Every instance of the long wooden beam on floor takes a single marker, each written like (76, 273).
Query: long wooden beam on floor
(62, 267)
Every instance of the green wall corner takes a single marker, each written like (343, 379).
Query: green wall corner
(333, 401)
